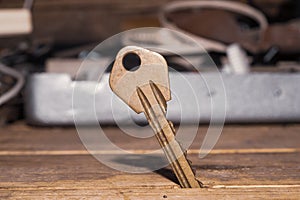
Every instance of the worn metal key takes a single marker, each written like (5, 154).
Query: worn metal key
(147, 90)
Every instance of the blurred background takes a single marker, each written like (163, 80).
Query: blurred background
(54, 36)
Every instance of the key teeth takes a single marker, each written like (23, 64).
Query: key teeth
(172, 127)
(158, 96)
(200, 183)
(190, 163)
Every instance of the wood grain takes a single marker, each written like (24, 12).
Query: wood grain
(256, 161)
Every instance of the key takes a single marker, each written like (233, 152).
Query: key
(147, 90)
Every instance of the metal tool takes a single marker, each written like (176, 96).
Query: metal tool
(274, 99)
(147, 90)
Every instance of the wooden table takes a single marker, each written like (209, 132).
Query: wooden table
(261, 161)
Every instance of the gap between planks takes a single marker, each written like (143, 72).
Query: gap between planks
(253, 186)
(118, 152)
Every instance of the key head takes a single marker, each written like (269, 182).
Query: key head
(153, 68)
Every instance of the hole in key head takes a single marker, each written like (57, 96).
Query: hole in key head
(131, 61)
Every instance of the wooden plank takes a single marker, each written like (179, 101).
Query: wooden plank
(258, 161)
(22, 137)
(213, 170)
(91, 21)
(151, 193)
(73, 22)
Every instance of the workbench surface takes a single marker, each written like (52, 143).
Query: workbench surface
(261, 161)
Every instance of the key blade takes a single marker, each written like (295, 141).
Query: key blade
(165, 134)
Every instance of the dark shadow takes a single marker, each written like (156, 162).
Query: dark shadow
(150, 162)
(167, 173)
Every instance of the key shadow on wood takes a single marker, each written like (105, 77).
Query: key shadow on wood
(149, 162)
(167, 173)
